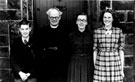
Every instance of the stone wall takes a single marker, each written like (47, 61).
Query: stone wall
(12, 11)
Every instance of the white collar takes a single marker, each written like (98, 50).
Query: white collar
(54, 26)
(27, 39)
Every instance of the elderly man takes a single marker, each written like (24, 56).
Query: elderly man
(54, 16)
(52, 46)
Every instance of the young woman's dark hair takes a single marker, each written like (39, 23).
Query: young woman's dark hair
(115, 22)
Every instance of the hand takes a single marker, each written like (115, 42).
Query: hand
(23, 75)
(28, 74)
(53, 48)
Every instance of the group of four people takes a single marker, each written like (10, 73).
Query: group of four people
(56, 54)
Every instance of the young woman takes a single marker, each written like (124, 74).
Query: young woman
(108, 50)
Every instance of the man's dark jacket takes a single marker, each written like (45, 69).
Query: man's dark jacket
(52, 51)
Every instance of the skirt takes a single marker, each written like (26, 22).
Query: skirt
(78, 69)
(108, 67)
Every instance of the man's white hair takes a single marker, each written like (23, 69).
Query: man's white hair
(52, 9)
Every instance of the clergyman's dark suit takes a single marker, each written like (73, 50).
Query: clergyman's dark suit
(52, 53)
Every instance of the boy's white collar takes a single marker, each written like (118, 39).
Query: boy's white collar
(27, 39)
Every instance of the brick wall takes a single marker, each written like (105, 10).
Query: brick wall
(11, 12)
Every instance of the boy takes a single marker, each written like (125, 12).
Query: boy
(22, 57)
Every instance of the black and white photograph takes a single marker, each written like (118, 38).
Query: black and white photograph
(67, 40)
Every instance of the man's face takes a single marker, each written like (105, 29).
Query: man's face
(25, 30)
(54, 18)
(81, 21)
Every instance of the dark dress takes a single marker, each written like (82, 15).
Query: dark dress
(22, 58)
(52, 53)
(81, 67)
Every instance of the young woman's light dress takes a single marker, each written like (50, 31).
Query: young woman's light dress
(108, 61)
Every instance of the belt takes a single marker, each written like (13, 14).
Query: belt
(108, 50)
(81, 54)
(51, 48)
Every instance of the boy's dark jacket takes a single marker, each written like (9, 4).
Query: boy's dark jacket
(22, 57)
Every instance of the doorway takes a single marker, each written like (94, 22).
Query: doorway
(70, 9)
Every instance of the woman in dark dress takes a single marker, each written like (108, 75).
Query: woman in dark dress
(81, 49)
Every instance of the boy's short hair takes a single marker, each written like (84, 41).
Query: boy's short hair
(24, 22)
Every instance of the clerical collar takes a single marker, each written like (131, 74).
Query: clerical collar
(54, 26)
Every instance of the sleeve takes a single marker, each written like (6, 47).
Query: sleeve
(95, 36)
(15, 67)
(71, 43)
(39, 42)
(121, 41)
